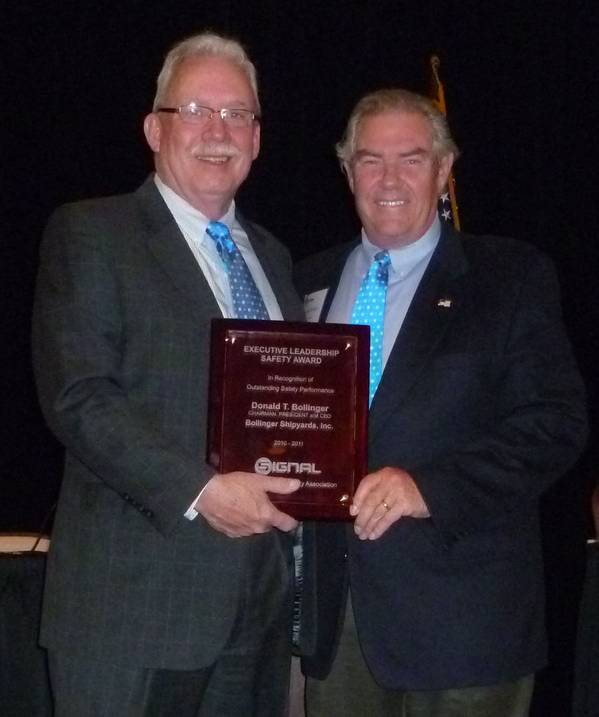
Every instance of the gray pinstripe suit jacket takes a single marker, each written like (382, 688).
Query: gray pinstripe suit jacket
(121, 354)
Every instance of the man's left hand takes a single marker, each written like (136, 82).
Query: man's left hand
(384, 497)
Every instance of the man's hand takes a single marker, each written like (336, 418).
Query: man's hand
(236, 503)
(382, 498)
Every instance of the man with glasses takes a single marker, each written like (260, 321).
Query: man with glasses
(431, 603)
(168, 587)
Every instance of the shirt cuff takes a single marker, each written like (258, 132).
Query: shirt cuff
(191, 513)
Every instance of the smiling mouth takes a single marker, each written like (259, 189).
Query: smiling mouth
(217, 159)
(391, 202)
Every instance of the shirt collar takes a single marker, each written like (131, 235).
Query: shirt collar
(187, 215)
(405, 258)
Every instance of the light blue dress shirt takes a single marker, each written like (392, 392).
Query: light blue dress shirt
(408, 264)
(192, 224)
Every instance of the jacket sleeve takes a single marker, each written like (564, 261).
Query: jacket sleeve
(537, 422)
(93, 407)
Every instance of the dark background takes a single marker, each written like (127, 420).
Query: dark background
(522, 103)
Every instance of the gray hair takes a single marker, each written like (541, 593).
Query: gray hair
(398, 100)
(204, 44)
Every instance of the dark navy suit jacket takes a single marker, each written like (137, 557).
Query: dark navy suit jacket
(482, 403)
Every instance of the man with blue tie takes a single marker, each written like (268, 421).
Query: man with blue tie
(168, 587)
(430, 604)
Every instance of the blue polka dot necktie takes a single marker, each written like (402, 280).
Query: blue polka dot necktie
(247, 302)
(369, 308)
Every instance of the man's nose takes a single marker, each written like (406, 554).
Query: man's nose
(216, 126)
(391, 173)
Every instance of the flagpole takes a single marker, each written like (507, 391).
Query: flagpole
(438, 98)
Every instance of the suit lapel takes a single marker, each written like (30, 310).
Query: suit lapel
(279, 276)
(273, 273)
(171, 251)
(435, 304)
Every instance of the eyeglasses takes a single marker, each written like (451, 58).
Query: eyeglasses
(198, 114)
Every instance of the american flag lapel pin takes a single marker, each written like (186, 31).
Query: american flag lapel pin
(445, 303)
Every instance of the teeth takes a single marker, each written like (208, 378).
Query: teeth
(215, 160)
(392, 203)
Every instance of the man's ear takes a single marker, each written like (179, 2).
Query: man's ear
(445, 165)
(152, 131)
(256, 139)
(346, 167)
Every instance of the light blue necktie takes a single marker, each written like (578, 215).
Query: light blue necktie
(369, 308)
(247, 302)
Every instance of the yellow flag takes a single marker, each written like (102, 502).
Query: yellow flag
(448, 205)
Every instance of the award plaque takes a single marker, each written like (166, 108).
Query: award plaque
(290, 399)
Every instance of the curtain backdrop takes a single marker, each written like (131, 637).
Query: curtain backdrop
(522, 103)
